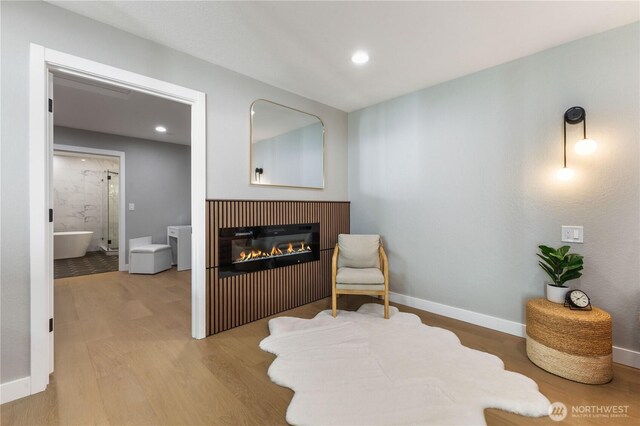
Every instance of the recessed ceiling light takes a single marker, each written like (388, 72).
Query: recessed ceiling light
(161, 129)
(360, 57)
(82, 159)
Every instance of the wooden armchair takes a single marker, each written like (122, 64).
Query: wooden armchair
(359, 266)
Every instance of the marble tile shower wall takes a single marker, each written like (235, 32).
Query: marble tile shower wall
(80, 195)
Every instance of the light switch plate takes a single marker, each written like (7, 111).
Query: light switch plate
(572, 234)
(132, 206)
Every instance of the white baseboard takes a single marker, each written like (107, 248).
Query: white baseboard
(626, 357)
(620, 355)
(499, 324)
(16, 389)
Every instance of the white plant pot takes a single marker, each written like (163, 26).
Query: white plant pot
(556, 294)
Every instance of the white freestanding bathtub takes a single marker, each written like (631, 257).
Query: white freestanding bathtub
(71, 244)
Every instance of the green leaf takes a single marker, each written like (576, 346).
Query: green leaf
(546, 268)
(546, 250)
(574, 258)
(572, 275)
(573, 267)
(549, 271)
(551, 262)
(559, 264)
(556, 257)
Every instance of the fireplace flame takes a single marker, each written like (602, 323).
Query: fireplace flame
(302, 247)
(252, 254)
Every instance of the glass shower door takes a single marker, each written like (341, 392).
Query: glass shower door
(113, 209)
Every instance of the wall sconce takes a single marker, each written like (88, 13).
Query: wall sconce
(258, 173)
(576, 115)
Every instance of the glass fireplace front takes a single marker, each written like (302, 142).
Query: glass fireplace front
(250, 249)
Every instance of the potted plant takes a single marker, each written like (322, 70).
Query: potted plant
(561, 267)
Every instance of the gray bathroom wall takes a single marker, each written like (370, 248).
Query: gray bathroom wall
(460, 181)
(157, 180)
(229, 97)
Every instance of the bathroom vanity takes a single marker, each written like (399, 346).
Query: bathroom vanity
(179, 238)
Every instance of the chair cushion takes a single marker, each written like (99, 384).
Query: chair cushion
(358, 251)
(359, 276)
(361, 287)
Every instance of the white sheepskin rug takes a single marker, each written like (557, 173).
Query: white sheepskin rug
(360, 369)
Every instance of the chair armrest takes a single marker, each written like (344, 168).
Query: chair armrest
(334, 266)
(384, 261)
(384, 266)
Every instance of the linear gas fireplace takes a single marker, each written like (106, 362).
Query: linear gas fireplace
(249, 249)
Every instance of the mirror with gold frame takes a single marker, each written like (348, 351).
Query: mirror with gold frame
(287, 146)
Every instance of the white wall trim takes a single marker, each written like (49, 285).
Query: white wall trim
(41, 62)
(494, 323)
(198, 219)
(39, 227)
(122, 220)
(15, 389)
(620, 355)
(626, 357)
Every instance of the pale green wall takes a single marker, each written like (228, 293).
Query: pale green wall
(460, 180)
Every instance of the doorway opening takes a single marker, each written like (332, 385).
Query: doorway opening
(86, 205)
(44, 62)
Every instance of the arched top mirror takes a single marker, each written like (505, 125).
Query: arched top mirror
(287, 146)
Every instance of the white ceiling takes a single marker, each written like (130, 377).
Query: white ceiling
(305, 47)
(87, 105)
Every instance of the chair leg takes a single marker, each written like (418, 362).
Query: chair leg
(386, 306)
(334, 303)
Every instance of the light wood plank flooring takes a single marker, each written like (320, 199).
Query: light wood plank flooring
(124, 355)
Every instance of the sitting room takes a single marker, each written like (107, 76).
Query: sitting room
(420, 213)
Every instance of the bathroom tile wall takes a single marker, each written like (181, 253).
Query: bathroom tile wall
(79, 194)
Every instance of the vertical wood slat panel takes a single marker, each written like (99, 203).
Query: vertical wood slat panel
(237, 300)
(208, 257)
(207, 241)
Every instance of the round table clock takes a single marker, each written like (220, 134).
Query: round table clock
(577, 299)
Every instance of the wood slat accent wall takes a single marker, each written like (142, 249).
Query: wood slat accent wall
(240, 299)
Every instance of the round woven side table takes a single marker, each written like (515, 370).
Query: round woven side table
(572, 344)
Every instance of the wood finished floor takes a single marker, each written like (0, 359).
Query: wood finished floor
(124, 355)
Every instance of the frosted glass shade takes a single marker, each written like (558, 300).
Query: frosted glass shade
(360, 57)
(585, 146)
(565, 173)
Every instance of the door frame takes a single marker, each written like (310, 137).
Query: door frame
(122, 220)
(41, 61)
